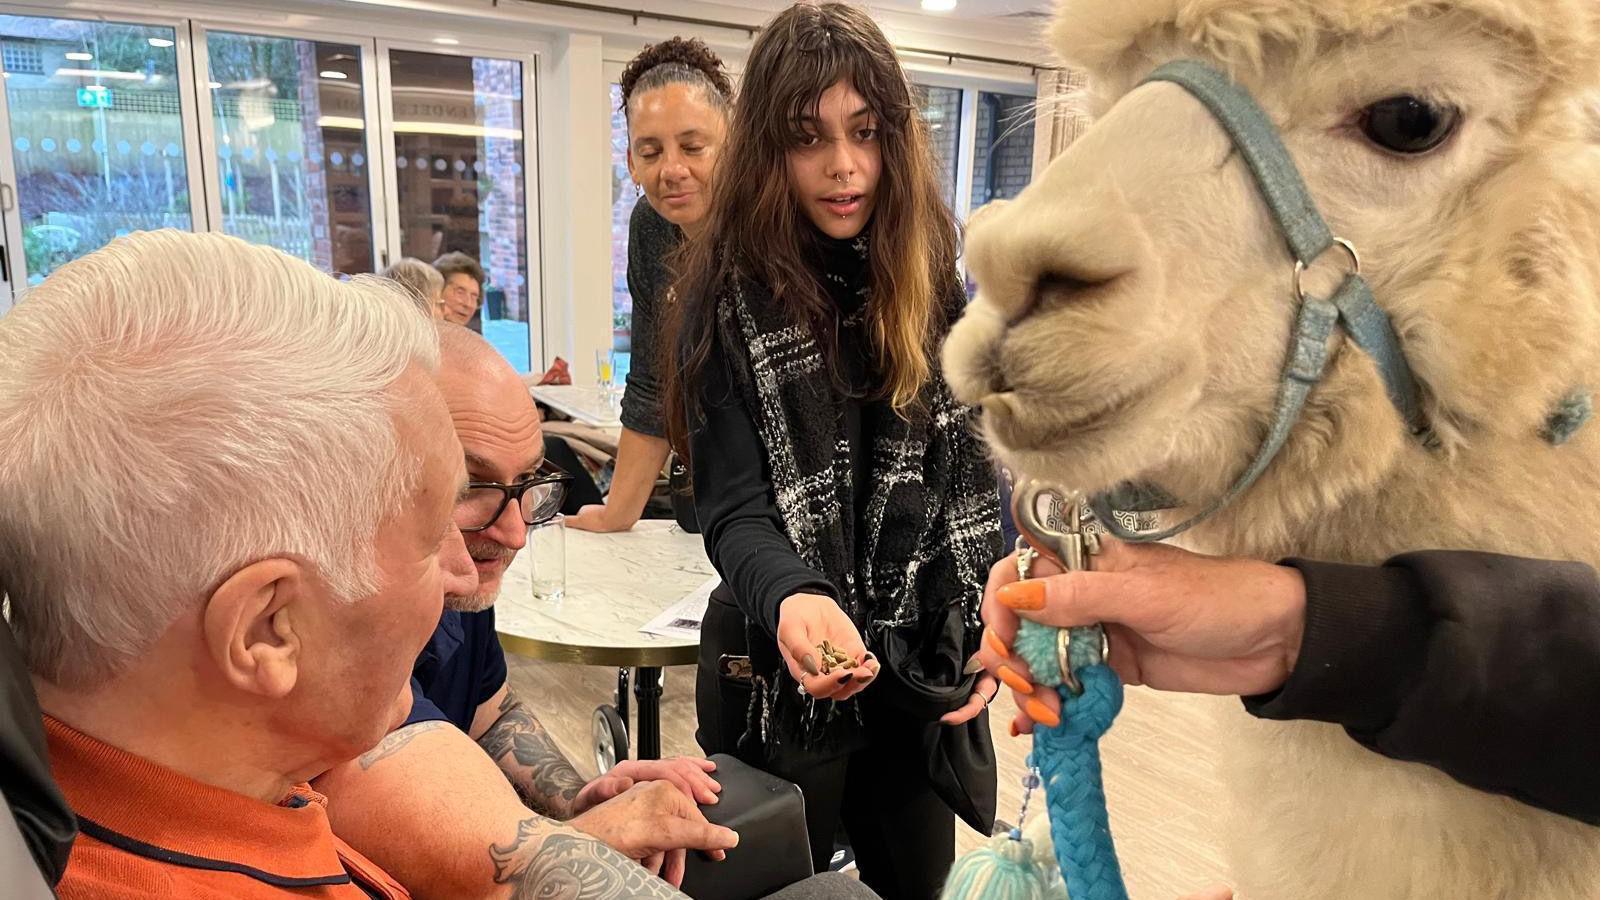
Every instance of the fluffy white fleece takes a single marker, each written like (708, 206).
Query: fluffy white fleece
(1133, 313)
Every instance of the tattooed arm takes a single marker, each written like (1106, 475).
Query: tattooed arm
(430, 808)
(544, 862)
(545, 780)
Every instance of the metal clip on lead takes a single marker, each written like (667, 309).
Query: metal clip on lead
(1072, 548)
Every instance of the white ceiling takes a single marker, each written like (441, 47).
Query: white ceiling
(1022, 11)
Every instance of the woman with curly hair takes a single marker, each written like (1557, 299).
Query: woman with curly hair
(842, 493)
(676, 97)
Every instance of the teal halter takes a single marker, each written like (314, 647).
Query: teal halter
(1351, 305)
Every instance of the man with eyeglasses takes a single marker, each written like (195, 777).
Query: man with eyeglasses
(427, 803)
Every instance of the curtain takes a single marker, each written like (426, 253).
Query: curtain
(1062, 114)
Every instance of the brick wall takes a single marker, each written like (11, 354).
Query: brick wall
(502, 239)
(318, 214)
(1007, 133)
(941, 110)
(622, 202)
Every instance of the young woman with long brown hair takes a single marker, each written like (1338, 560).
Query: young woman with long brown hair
(841, 492)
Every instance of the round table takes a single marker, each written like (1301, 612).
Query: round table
(615, 584)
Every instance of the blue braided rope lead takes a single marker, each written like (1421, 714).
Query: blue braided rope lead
(1068, 756)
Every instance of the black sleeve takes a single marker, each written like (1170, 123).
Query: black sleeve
(27, 790)
(735, 503)
(1480, 665)
(650, 242)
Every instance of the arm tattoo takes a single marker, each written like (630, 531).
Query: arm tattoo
(547, 783)
(394, 740)
(571, 868)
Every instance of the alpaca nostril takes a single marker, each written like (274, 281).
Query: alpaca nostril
(997, 382)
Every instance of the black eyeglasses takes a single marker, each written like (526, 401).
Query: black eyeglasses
(539, 499)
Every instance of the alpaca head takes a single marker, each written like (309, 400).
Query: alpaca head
(1135, 303)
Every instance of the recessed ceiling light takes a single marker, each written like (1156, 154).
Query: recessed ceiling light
(447, 41)
(331, 74)
(79, 56)
(99, 73)
(938, 5)
(159, 42)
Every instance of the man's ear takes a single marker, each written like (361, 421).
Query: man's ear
(249, 626)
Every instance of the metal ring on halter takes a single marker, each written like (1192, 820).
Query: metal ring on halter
(1025, 557)
(1069, 678)
(1300, 267)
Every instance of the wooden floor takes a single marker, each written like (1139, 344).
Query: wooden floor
(1159, 780)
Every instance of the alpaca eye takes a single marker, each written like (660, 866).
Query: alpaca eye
(1408, 125)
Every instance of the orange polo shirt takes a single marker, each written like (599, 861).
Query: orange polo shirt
(147, 831)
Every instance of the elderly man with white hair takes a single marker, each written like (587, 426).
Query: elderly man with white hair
(226, 495)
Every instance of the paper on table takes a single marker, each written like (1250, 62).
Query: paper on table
(681, 620)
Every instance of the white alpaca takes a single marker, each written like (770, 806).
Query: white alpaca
(1132, 319)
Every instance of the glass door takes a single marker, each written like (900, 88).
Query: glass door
(96, 145)
(290, 148)
(456, 176)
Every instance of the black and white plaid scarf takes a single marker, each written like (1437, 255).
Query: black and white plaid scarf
(930, 529)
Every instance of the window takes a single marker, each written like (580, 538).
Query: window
(97, 138)
(292, 157)
(941, 111)
(22, 57)
(623, 198)
(1003, 154)
(458, 156)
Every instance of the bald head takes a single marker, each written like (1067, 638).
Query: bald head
(498, 426)
(488, 402)
(461, 347)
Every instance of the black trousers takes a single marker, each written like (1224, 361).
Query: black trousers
(903, 834)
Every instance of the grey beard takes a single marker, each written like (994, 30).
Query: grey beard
(477, 602)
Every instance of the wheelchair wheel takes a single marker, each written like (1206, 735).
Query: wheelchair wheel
(610, 738)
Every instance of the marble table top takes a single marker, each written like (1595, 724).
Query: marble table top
(584, 404)
(615, 584)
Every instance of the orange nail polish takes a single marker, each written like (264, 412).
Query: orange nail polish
(1040, 713)
(1027, 595)
(1013, 727)
(995, 645)
(1014, 681)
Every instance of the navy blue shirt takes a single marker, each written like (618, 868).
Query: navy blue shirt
(461, 667)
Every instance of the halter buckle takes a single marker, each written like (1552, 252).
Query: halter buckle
(1300, 266)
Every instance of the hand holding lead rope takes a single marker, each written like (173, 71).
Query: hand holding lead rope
(1073, 661)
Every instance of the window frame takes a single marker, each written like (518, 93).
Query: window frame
(11, 208)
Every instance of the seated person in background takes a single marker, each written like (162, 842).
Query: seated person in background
(423, 281)
(459, 845)
(463, 289)
(226, 496)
